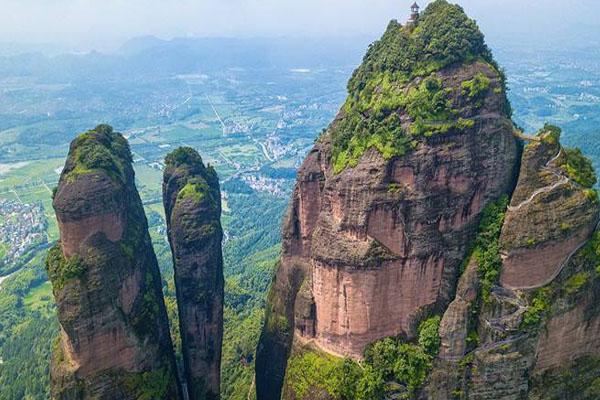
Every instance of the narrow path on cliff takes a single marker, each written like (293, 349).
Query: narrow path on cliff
(563, 181)
(545, 189)
(489, 346)
(249, 395)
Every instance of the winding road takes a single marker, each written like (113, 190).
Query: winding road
(3, 278)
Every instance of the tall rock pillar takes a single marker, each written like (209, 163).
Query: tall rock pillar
(192, 203)
(114, 341)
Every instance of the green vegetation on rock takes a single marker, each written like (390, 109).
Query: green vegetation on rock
(487, 245)
(60, 269)
(144, 321)
(314, 371)
(149, 385)
(390, 366)
(576, 282)
(550, 134)
(183, 156)
(476, 88)
(429, 338)
(579, 168)
(100, 149)
(384, 86)
(195, 189)
(540, 304)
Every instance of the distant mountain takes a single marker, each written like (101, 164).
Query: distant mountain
(149, 56)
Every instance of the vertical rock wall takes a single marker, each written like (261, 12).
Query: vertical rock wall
(192, 203)
(114, 341)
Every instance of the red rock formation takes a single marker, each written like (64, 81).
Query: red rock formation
(549, 218)
(377, 245)
(568, 336)
(193, 209)
(386, 206)
(114, 341)
(454, 325)
(379, 257)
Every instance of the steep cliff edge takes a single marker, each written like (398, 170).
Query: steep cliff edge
(550, 216)
(192, 203)
(391, 195)
(531, 330)
(114, 340)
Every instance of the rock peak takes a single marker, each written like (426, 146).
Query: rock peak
(114, 337)
(192, 203)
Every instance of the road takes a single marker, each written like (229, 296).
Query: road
(3, 278)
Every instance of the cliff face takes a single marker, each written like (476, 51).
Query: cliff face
(114, 340)
(548, 219)
(422, 241)
(389, 198)
(533, 334)
(193, 209)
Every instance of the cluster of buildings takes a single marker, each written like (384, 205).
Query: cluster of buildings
(232, 127)
(22, 229)
(260, 183)
(275, 146)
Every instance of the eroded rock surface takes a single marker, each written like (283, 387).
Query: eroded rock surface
(537, 330)
(192, 203)
(549, 218)
(371, 247)
(114, 341)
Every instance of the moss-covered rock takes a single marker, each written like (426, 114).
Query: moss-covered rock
(192, 203)
(399, 93)
(115, 339)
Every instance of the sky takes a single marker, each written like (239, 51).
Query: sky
(103, 23)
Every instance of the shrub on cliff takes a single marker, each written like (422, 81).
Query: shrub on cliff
(429, 337)
(579, 168)
(445, 36)
(487, 246)
(60, 269)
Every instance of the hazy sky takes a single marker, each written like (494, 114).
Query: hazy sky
(97, 23)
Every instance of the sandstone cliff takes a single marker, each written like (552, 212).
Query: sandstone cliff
(533, 333)
(454, 256)
(193, 210)
(114, 341)
(390, 197)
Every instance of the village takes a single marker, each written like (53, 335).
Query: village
(22, 229)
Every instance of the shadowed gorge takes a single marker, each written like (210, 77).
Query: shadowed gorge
(192, 203)
(114, 340)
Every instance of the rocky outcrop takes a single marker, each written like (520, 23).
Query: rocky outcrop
(193, 210)
(568, 346)
(457, 320)
(540, 323)
(549, 218)
(114, 340)
(372, 243)
(384, 216)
